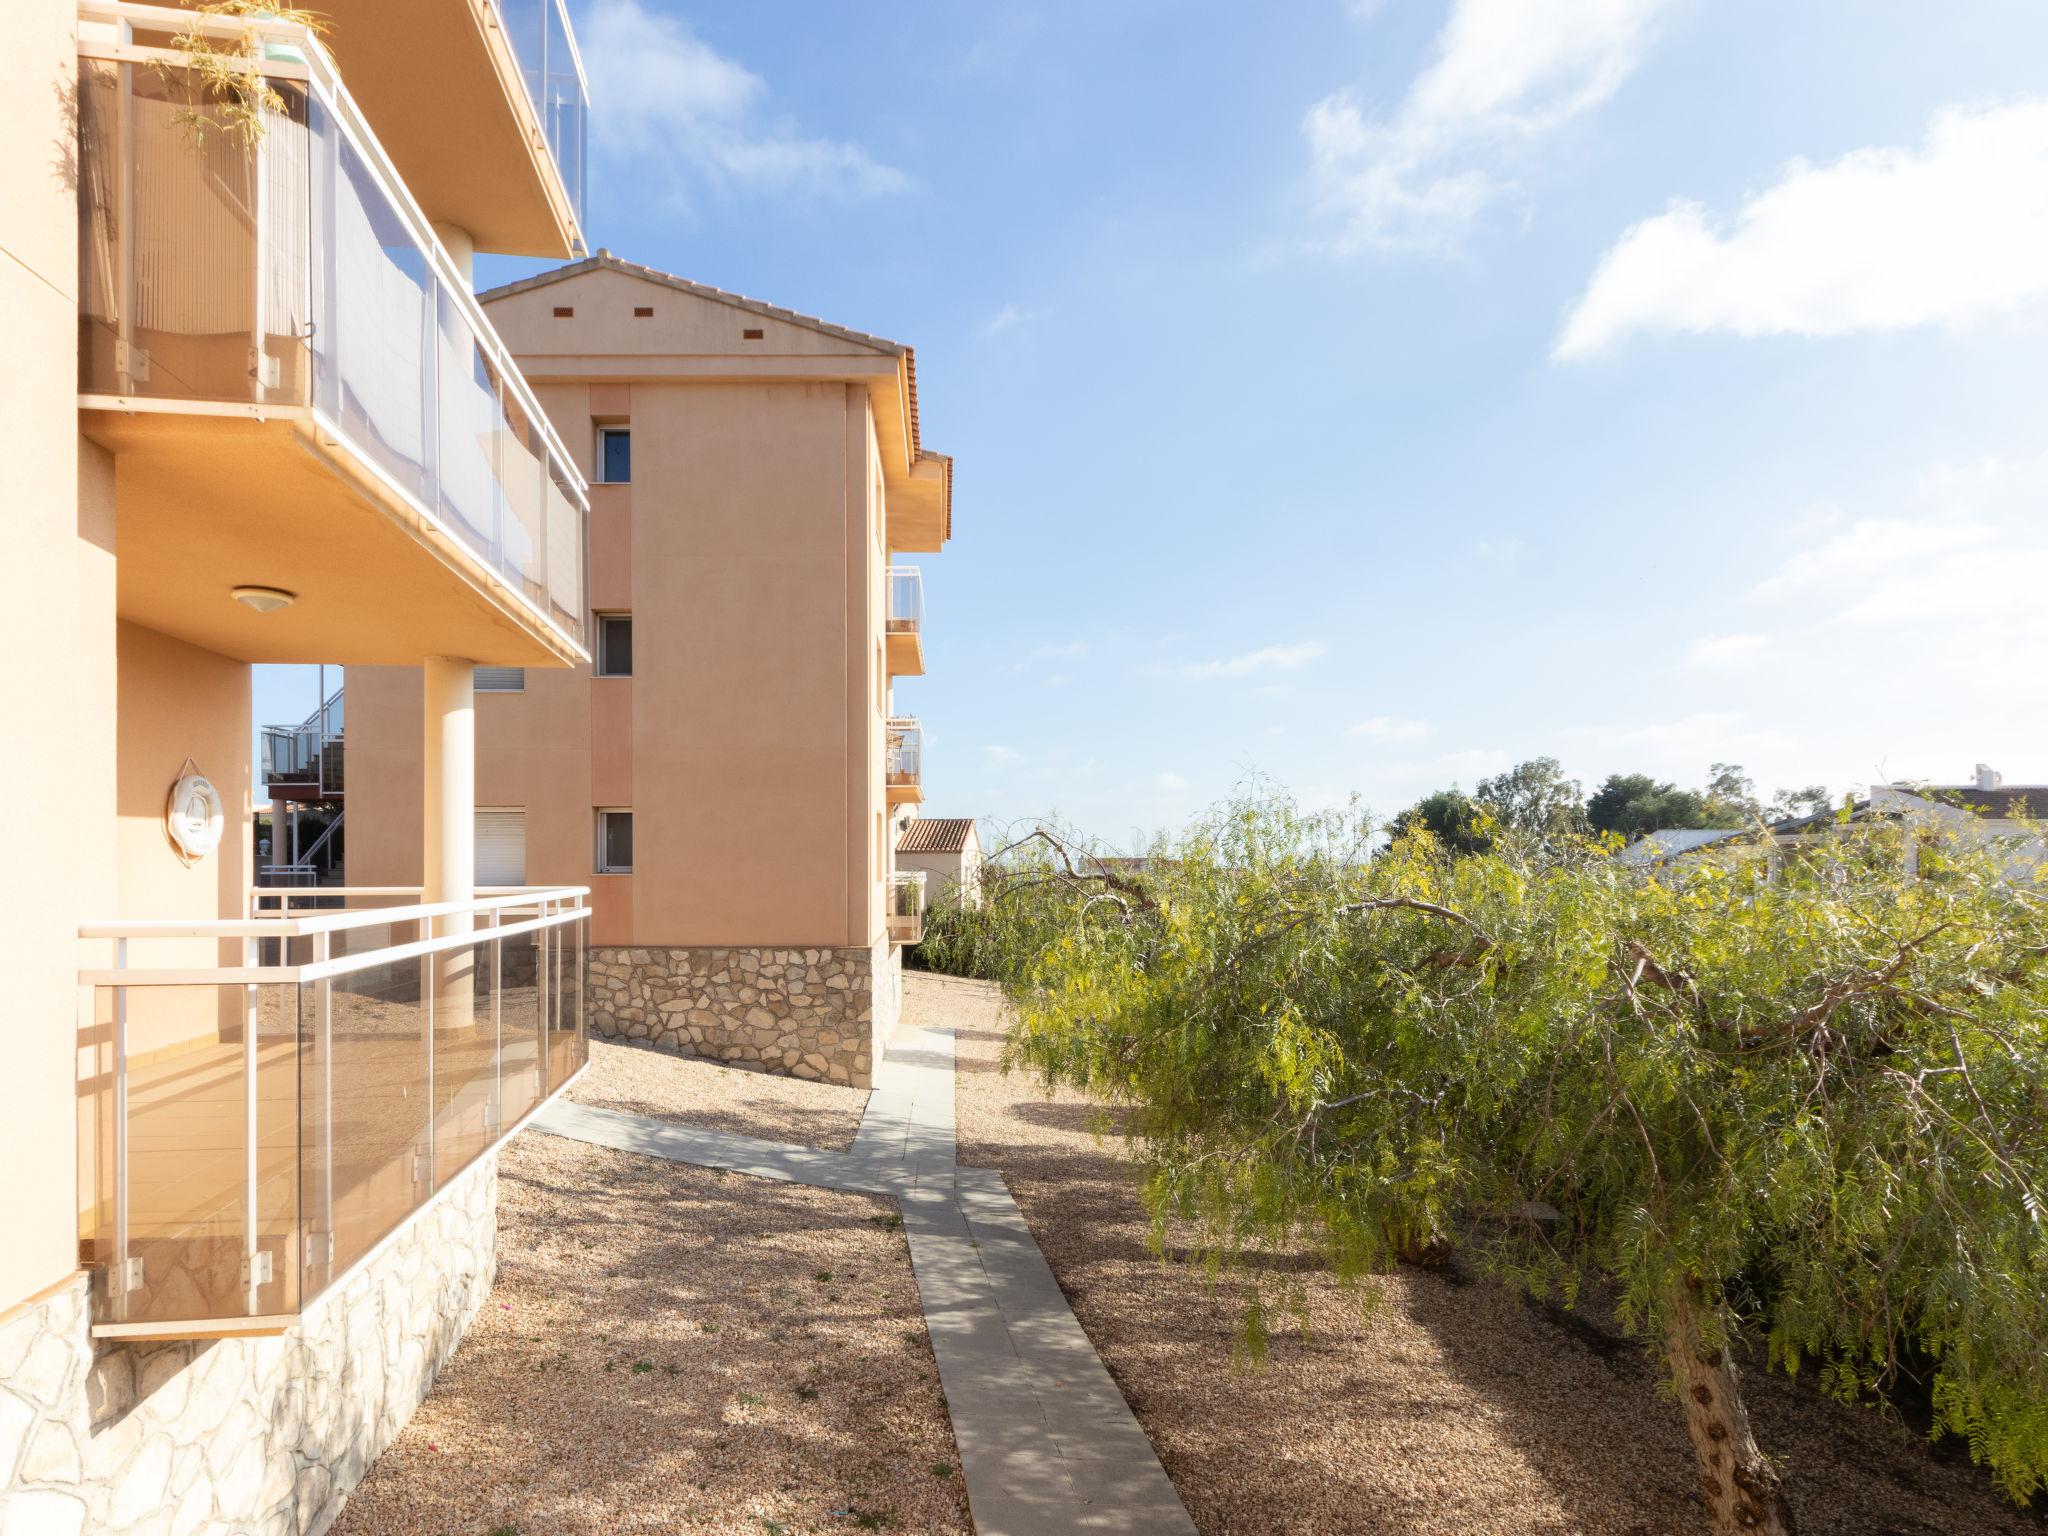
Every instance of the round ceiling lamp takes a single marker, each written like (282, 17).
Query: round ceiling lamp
(264, 599)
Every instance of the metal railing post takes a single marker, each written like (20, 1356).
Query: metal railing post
(251, 957)
(325, 1236)
(120, 1287)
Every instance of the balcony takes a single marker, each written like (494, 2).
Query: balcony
(906, 907)
(483, 107)
(905, 762)
(305, 761)
(905, 624)
(300, 389)
(263, 1101)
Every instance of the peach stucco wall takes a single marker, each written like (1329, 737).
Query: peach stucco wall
(58, 625)
(751, 551)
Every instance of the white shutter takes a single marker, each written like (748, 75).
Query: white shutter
(501, 847)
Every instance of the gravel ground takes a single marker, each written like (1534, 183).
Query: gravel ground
(670, 1349)
(645, 1081)
(1451, 1409)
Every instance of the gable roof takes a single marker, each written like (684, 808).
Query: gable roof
(937, 834)
(605, 261)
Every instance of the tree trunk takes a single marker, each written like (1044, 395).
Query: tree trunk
(1740, 1487)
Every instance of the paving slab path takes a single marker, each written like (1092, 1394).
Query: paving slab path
(1047, 1443)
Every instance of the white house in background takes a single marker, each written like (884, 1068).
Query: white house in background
(1986, 808)
(948, 850)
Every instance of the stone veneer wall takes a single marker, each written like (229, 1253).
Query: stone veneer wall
(256, 1437)
(807, 1012)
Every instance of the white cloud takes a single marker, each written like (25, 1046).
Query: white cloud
(1505, 73)
(1280, 658)
(1716, 653)
(1499, 551)
(1883, 239)
(678, 109)
(1001, 757)
(1170, 780)
(1474, 762)
(1389, 728)
(1009, 318)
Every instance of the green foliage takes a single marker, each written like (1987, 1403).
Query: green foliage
(1816, 1102)
(1631, 804)
(1453, 818)
(1026, 896)
(1535, 801)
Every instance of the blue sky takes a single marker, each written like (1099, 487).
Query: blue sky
(1370, 395)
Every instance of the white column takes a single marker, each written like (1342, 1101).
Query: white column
(449, 773)
(449, 824)
(461, 248)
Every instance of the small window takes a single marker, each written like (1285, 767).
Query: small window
(500, 680)
(500, 846)
(615, 842)
(614, 455)
(615, 645)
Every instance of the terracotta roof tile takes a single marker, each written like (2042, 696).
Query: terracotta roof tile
(936, 834)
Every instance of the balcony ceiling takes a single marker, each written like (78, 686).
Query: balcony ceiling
(207, 503)
(442, 89)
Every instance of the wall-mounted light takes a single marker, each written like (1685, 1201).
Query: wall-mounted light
(265, 599)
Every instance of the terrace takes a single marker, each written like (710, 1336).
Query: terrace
(264, 1101)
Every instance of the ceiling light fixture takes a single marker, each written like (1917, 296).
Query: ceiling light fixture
(265, 599)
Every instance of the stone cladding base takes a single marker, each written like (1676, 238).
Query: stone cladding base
(811, 1013)
(258, 1437)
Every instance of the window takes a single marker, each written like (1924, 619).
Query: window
(614, 455)
(615, 842)
(500, 846)
(615, 645)
(500, 680)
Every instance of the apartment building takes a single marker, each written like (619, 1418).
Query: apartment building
(728, 773)
(254, 413)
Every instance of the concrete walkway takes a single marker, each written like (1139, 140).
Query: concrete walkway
(1047, 1443)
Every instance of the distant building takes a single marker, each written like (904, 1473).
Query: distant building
(1986, 808)
(948, 850)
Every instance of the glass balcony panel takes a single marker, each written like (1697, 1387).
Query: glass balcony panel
(189, 1155)
(469, 419)
(180, 297)
(568, 1045)
(384, 314)
(465, 1068)
(376, 1062)
(565, 113)
(522, 498)
(565, 530)
(522, 1018)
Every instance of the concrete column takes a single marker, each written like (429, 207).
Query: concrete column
(462, 247)
(450, 780)
(449, 825)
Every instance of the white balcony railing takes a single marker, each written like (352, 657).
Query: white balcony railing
(263, 1101)
(906, 906)
(905, 756)
(906, 600)
(297, 276)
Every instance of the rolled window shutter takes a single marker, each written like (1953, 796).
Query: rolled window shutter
(501, 847)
